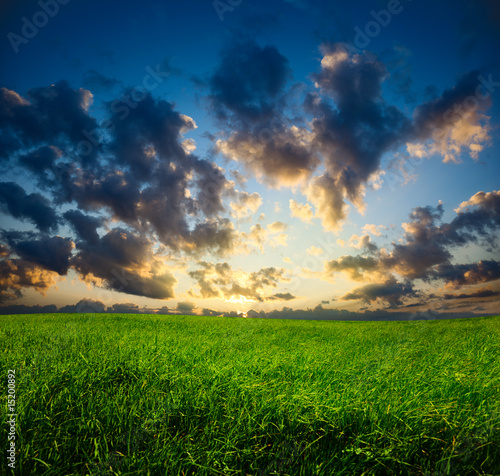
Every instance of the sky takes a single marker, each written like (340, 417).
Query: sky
(287, 159)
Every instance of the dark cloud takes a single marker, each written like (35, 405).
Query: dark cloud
(352, 124)
(429, 245)
(164, 310)
(33, 207)
(357, 130)
(356, 266)
(319, 313)
(85, 226)
(147, 133)
(186, 307)
(248, 81)
(116, 192)
(484, 293)
(460, 275)
(277, 153)
(51, 253)
(142, 175)
(24, 309)
(426, 253)
(438, 113)
(125, 308)
(392, 292)
(54, 114)
(124, 261)
(425, 245)
(210, 312)
(41, 159)
(454, 121)
(248, 97)
(281, 297)
(218, 236)
(151, 183)
(17, 274)
(84, 306)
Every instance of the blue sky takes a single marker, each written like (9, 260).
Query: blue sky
(281, 158)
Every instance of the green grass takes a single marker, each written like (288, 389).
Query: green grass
(178, 395)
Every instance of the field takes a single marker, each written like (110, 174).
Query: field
(180, 395)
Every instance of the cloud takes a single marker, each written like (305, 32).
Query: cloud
(51, 253)
(277, 155)
(124, 261)
(425, 253)
(481, 293)
(301, 210)
(352, 127)
(353, 135)
(247, 81)
(363, 242)
(326, 195)
(460, 275)
(17, 274)
(85, 305)
(125, 308)
(33, 207)
(489, 201)
(221, 281)
(186, 307)
(429, 245)
(41, 159)
(248, 97)
(24, 309)
(142, 134)
(246, 205)
(132, 168)
(259, 236)
(454, 121)
(85, 226)
(218, 236)
(277, 227)
(374, 229)
(281, 297)
(141, 174)
(357, 267)
(279, 240)
(391, 291)
(54, 114)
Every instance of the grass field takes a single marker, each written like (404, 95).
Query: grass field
(179, 395)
